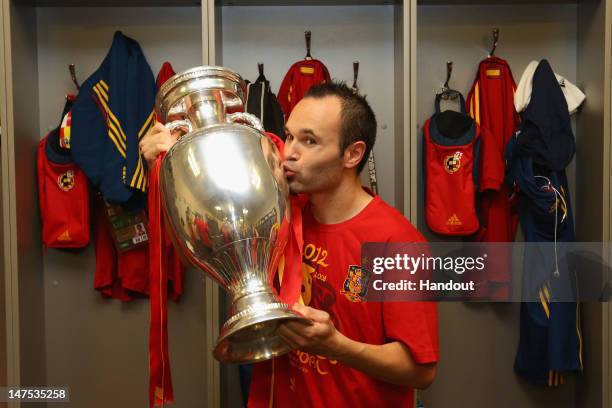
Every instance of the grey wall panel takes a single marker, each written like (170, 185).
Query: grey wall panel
(591, 211)
(478, 342)
(477, 348)
(3, 269)
(340, 35)
(98, 347)
(23, 178)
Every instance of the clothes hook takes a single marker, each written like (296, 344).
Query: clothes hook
(355, 75)
(308, 36)
(449, 71)
(260, 68)
(495, 41)
(72, 70)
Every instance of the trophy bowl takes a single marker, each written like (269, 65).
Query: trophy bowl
(226, 204)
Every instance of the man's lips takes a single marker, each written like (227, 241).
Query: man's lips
(289, 173)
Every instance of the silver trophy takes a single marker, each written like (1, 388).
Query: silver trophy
(226, 205)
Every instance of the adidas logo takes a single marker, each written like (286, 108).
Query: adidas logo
(65, 236)
(453, 220)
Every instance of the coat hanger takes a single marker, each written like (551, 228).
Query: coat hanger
(355, 75)
(495, 41)
(308, 36)
(448, 93)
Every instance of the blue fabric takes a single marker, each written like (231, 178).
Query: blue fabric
(536, 157)
(105, 145)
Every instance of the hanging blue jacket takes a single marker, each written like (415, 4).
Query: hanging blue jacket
(550, 342)
(113, 110)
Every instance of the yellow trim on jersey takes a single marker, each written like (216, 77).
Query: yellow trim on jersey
(137, 177)
(110, 113)
(281, 270)
(544, 305)
(477, 103)
(147, 125)
(112, 121)
(102, 91)
(118, 136)
(546, 293)
(550, 377)
(472, 107)
(112, 132)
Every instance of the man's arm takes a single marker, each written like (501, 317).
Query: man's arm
(390, 362)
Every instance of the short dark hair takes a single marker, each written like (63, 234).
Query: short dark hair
(358, 118)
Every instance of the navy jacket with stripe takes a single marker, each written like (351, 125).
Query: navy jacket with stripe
(113, 110)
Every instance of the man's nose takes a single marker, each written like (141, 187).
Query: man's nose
(291, 152)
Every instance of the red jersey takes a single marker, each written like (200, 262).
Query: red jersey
(491, 104)
(298, 80)
(330, 254)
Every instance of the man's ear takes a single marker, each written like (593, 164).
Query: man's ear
(353, 154)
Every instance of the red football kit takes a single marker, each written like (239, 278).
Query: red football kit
(298, 80)
(491, 104)
(331, 257)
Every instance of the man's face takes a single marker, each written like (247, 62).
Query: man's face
(313, 162)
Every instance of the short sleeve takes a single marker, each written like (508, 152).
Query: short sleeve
(415, 324)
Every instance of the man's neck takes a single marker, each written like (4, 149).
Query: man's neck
(341, 204)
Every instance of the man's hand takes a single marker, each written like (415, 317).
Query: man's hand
(391, 362)
(320, 337)
(157, 139)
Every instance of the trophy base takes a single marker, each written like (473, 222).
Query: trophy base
(250, 335)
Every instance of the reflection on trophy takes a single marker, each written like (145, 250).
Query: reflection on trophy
(226, 204)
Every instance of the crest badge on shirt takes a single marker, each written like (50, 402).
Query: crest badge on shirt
(452, 163)
(356, 283)
(66, 180)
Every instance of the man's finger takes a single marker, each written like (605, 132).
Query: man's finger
(289, 341)
(159, 127)
(291, 336)
(298, 327)
(311, 313)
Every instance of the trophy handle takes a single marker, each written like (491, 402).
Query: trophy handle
(246, 118)
(179, 123)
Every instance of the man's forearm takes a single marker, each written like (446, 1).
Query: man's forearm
(390, 362)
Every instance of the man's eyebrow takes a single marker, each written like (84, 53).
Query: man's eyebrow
(306, 131)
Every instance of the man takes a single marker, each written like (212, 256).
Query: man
(355, 353)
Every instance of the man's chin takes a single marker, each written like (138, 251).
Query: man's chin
(295, 187)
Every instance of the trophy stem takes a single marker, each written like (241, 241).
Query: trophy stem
(249, 335)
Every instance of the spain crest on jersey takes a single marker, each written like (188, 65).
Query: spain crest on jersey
(356, 283)
(452, 163)
(66, 181)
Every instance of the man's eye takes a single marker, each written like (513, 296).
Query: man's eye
(310, 141)
(288, 136)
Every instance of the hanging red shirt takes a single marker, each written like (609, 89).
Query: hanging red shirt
(298, 80)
